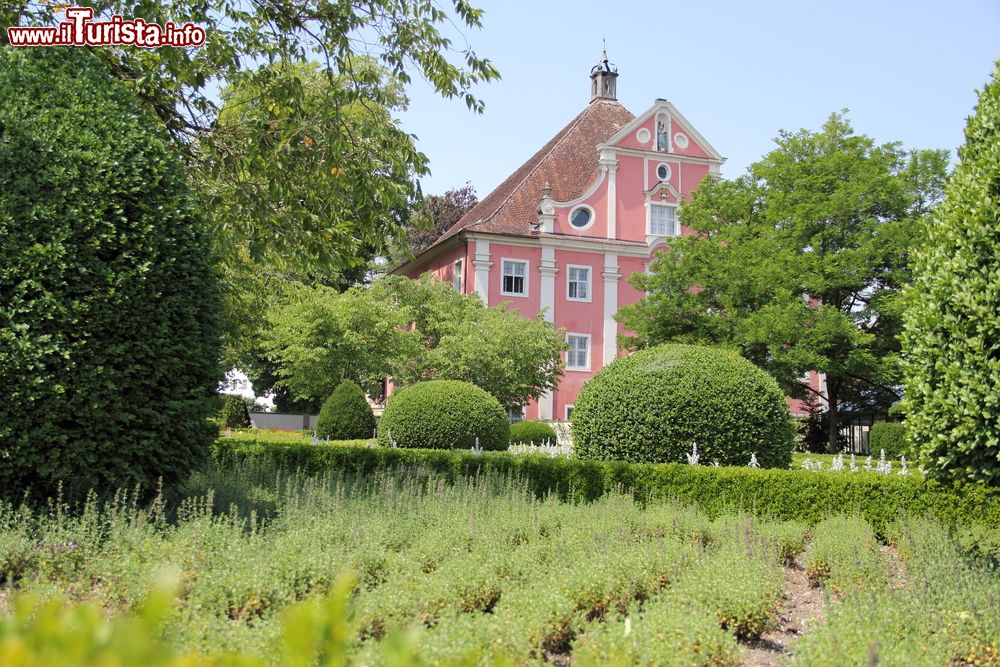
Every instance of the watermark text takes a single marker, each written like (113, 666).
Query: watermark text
(79, 29)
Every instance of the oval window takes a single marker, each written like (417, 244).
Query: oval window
(663, 172)
(581, 218)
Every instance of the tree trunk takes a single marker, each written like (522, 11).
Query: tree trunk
(832, 424)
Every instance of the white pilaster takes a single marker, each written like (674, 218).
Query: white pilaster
(548, 270)
(547, 301)
(545, 406)
(612, 166)
(481, 262)
(611, 277)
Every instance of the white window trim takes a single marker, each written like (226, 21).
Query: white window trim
(656, 172)
(527, 273)
(590, 224)
(589, 352)
(590, 282)
(649, 219)
(566, 410)
(458, 279)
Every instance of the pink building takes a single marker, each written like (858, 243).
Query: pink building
(566, 230)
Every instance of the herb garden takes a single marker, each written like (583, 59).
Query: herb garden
(482, 571)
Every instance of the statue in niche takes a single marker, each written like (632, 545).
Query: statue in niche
(662, 138)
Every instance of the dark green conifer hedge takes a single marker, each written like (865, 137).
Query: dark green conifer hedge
(109, 301)
(951, 341)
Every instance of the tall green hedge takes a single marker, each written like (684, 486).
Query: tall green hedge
(951, 341)
(792, 495)
(346, 415)
(443, 414)
(654, 405)
(109, 302)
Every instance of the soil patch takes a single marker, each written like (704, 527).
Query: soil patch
(802, 610)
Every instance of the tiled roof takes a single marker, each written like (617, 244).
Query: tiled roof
(568, 163)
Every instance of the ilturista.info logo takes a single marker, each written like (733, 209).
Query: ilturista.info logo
(79, 29)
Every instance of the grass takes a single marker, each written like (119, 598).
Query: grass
(942, 610)
(476, 570)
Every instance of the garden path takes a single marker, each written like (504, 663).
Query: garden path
(802, 610)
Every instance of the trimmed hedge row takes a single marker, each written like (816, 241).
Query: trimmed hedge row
(787, 495)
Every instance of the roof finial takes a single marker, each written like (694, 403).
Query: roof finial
(546, 190)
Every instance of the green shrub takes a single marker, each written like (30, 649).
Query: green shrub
(785, 495)
(890, 436)
(443, 414)
(235, 412)
(527, 432)
(654, 405)
(346, 415)
(845, 556)
(109, 319)
(951, 339)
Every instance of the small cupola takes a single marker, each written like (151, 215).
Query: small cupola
(604, 80)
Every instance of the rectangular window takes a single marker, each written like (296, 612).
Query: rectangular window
(515, 414)
(569, 412)
(662, 220)
(515, 278)
(457, 276)
(578, 356)
(578, 283)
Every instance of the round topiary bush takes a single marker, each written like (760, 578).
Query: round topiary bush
(443, 414)
(235, 412)
(346, 415)
(890, 436)
(110, 326)
(527, 432)
(654, 405)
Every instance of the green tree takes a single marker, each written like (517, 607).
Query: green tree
(433, 217)
(297, 149)
(109, 327)
(303, 171)
(319, 337)
(951, 339)
(411, 330)
(799, 263)
(406, 38)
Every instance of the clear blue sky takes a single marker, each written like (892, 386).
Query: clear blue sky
(739, 71)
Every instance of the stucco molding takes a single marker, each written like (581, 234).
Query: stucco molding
(665, 107)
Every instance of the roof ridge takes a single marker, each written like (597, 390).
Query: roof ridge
(540, 154)
(560, 137)
(511, 196)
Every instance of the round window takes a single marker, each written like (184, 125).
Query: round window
(581, 217)
(663, 172)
